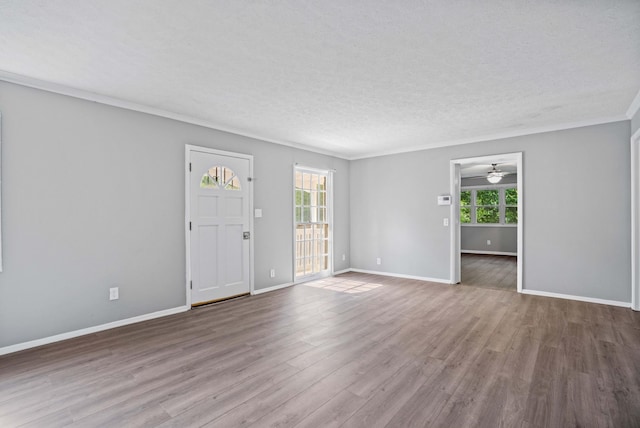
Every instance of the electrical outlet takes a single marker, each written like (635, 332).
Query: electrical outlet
(272, 273)
(445, 222)
(378, 261)
(488, 241)
(114, 293)
(344, 257)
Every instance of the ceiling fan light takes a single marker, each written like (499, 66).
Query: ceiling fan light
(494, 178)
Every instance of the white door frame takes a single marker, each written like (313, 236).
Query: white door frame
(187, 211)
(635, 221)
(454, 172)
(329, 173)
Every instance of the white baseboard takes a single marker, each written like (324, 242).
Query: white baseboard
(64, 336)
(400, 275)
(489, 253)
(274, 288)
(578, 298)
(340, 272)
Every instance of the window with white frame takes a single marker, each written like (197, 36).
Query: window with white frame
(489, 205)
(312, 222)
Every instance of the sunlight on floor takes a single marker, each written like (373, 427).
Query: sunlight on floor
(343, 285)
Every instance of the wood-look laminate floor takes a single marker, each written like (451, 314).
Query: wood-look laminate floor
(489, 271)
(354, 351)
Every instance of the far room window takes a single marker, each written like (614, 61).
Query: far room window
(465, 206)
(511, 206)
(489, 206)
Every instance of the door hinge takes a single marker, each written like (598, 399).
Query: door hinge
(189, 225)
(189, 166)
(191, 285)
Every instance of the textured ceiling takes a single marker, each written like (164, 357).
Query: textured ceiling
(354, 78)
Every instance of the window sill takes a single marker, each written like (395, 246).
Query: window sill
(487, 225)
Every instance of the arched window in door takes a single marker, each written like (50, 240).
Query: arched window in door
(220, 177)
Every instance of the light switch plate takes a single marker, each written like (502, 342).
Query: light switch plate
(258, 213)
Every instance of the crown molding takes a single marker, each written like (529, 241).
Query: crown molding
(634, 106)
(30, 82)
(498, 136)
(19, 79)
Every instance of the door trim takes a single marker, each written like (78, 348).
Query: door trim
(188, 148)
(454, 173)
(329, 174)
(635, 220)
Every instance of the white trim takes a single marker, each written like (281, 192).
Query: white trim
(340, 272)
(490, 253)
(400, 275)
(314, 169)
(577, 298)
(455, 184)
(274, 288)
(498, 136)
(329, 191)
(89, 330)
(635, 220)
(129, 105)
(634, 106)
(1, 262)
(188, 148)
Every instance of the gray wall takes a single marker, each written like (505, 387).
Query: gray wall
(93, 196)
(503, 238)
(576, 221)
(635, 122)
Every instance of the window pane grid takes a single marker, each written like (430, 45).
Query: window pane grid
(489, 206)
(312, 228)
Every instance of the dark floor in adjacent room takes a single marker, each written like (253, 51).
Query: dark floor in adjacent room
(489, 271)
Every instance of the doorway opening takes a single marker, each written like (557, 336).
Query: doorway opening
(487, 221)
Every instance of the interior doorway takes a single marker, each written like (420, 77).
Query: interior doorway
(487, 221)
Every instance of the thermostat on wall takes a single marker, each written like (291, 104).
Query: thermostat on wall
(444, 200)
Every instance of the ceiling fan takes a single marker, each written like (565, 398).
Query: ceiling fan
(494, 175)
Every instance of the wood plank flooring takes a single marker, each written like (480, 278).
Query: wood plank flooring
(489, 271)
(352, 351)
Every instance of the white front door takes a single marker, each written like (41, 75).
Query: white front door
(219, 197)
